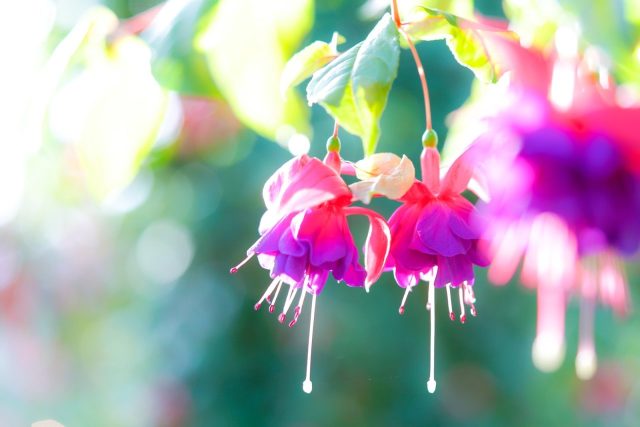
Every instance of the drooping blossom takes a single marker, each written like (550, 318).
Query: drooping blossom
(562, 171)
(304, 236)
(433, 238)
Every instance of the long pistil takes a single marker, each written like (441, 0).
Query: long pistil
(431, 383)
(307, 386)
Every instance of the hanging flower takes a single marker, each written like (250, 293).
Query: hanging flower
(305, 236)
(565, 198)
(433, 238)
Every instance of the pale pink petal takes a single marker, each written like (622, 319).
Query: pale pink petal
(301, 183)
(377, 244)
(479, 186)
(333, 160)
(347, 168)
(430, 164)
(376, 165)
(528, 67)
(459, 174)
(383, 174)
(506, 250)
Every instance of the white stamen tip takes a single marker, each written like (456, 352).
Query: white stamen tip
(431, 386)
(586, 364)
(547, 353)
(307, 386)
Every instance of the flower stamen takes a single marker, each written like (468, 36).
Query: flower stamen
(234, 270)
(452, 315)
(291, 294)
(272, 306)
(470, 298)
(463, 317)
(298, 309)
(267, 293)
(404, 300)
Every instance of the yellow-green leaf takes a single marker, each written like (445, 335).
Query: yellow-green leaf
(306, 62)
(469, 41)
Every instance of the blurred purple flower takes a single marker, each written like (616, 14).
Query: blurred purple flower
(569, 208)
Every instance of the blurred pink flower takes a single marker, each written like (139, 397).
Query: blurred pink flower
(561, 167)
(305, 236)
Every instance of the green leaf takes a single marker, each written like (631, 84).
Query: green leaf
(176, 63)
(246, 44)
(354, 87)
(470, 42)
(306, 62)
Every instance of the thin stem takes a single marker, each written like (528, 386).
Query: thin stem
(395, 13)
(137, 23)
(421, 74)
(336, 127)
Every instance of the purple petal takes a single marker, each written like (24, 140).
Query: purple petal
(326, 233)
(317, 279)
(355, 275)
(290, 246)
(434, 231)
(453, 270)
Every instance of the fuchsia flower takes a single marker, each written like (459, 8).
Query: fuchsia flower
(305, 236)
(433, 239)
(570, 205)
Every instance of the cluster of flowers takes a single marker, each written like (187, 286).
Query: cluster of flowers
(563, 177)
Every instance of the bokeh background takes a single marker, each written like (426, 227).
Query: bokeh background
(123, 205)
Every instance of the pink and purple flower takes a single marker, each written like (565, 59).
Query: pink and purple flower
(433, 238)
(305, 236)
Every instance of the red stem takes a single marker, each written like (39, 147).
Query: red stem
(335, 129)
(395, 13)
(423, 79)
(138, 23)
